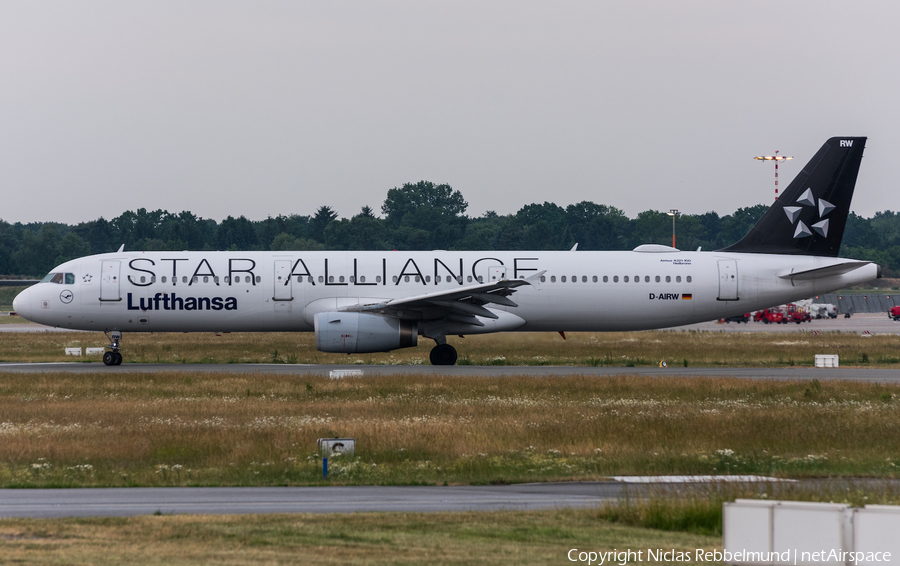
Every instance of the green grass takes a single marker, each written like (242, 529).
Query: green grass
(204, 428)
(503, 537)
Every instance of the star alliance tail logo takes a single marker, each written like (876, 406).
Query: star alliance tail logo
(805, 200)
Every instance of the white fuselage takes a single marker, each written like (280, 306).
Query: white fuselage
(283, 291)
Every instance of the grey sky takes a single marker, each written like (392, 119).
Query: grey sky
(266, 108)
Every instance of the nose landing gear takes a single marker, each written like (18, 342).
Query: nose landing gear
(113, 357)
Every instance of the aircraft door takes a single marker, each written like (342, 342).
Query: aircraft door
(283, 293)
(488, 269)
(728, 280)
(497, 273)
(109, 280)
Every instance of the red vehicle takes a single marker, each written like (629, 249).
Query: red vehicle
(772, 315)
(894, 313)
(797, 314)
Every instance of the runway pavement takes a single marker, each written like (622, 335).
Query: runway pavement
(115, 502)
(123, 502)
(854, 374)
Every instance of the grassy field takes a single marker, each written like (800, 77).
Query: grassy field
(520, 537)
(168, 428)
(619, 349)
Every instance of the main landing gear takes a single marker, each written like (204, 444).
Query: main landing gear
(113, 357)
(443, 355)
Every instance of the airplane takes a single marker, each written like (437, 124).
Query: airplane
(361, 302)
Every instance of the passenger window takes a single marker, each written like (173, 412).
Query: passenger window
(481, 278)
(378, 278)
(258, 278)
(321, 279)
(417, 279)
(606, 278)
(688, 278)
(563, 278)
(341, 279)
(553, 278)
(668, 278)
(437, 278)
(143, 279)
(625, 279)
(163, 279)
(646, 278)
(615, 278)
(637, 278)
(543, 278)
(394, 279)
(428, 278)
(362, 278)
(331, 278)
(184, 278)
(678, 279)
(70, 278)
(657, 278)
(206, 279)
(406, 279)
(595, 278)
(216, 279)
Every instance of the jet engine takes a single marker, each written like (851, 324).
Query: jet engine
(360, 333)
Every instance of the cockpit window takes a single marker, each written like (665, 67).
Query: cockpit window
(59, 278)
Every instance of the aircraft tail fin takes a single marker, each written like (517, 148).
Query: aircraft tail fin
(810, 215)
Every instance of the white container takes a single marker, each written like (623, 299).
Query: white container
(94, 351)
(340, 373)
(875, 529)
(73, 351)
(827, 361)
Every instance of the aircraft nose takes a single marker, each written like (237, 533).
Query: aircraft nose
(22, 304)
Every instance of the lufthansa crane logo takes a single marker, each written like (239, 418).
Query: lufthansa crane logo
(66, 296)
(794, 212)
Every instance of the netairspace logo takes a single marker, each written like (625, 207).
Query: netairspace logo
(792, 556)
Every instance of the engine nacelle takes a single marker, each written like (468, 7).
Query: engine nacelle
(360, 333)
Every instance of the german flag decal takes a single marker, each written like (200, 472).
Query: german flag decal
(687, 296)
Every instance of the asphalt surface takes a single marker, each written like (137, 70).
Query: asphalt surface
(783, 374)
(124, 502)
(117, 502)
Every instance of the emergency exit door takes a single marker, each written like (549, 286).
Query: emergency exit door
(728, 280)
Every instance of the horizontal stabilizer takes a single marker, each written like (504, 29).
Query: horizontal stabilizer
(823, 272)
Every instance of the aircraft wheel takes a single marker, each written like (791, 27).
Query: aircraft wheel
(118, 361)
(109, 359)
(443, 355)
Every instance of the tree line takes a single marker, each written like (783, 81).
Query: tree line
(416, 216)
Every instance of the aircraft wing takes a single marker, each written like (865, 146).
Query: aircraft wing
(461, 304)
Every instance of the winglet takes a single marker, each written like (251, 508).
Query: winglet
(121, 249)
(535, 280)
